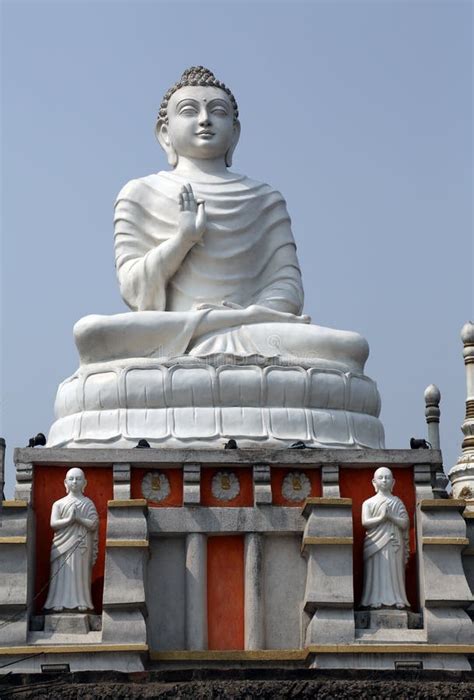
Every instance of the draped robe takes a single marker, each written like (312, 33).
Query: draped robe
(247, 256)
(73, 554)
(386, 551)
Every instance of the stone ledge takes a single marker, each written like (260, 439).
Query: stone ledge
(312, 457)
(240, 655)
(391, 649)
(126, 543)
(442, 503)
(463, 541)
(15, 504)
(35, 649)
(20, 539)
(328, 540)
(128, 503)
(325, 502)
(302, 654)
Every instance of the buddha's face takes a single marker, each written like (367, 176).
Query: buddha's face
(383, 480)
(200, 122)
(75, 481)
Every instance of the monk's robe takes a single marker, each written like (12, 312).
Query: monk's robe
(73, 553)
(386, 551)
(247, 255)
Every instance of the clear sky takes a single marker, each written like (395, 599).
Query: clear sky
(359, 112)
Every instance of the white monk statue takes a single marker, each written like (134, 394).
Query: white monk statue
(74, 520)
(386, 545)
(206, 261)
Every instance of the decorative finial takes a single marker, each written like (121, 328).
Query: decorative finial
(462, 474)
(432, 413)
(467, 333)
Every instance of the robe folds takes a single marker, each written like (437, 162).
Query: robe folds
(247, 255)
(73, 554)
(386, 551)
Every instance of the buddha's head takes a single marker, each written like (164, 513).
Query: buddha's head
(75, 481)
(383, 480)
(198, 118)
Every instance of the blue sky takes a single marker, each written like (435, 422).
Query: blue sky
(359, 112)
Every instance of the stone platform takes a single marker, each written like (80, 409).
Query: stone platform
(192, 403)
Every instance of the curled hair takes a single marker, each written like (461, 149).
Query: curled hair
(196, 76)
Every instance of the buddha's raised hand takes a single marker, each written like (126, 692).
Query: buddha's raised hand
(192, 215)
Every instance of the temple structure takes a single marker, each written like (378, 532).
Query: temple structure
(220, 454)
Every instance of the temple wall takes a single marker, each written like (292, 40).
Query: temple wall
(241, 552)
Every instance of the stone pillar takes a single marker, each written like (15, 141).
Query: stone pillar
(329, 594)
(196, 591)
(254, 612)
(126, 556)
(24, 482)
(423, 481)
(121, 482)
(444, 590)
(191, 484)
(432, 414)
(16, 572)
(2, 472)
(462, 474)
(262, 487)
(330, 479)
(468, 555)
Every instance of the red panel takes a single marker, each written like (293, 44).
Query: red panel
(225, 592)
(48, 486)
(357, 484)
(174, 476)
(243, 498)
(279, 473)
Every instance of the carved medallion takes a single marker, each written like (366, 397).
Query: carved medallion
(296, 486)
(155, 487)
(225, 486)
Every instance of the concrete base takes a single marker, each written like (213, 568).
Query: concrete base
(448, 626)
(126, 662)
(444, 662)
(387, 618)
(67, 623)
(331, 626)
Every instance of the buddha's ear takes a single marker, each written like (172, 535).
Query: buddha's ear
(235, 141)
(163, 138)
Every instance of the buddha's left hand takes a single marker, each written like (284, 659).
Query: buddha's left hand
(223, 306)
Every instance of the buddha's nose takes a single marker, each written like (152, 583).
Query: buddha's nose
(204, 119)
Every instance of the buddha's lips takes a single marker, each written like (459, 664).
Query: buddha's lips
(205, 133)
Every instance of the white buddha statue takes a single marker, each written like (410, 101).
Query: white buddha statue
(207, 262)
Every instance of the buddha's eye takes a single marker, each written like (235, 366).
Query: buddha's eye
(219, 111)
(188, 112)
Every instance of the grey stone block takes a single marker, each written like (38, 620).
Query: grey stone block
(388, 619)
(67, 623)
(331, 626)
(121, 626)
